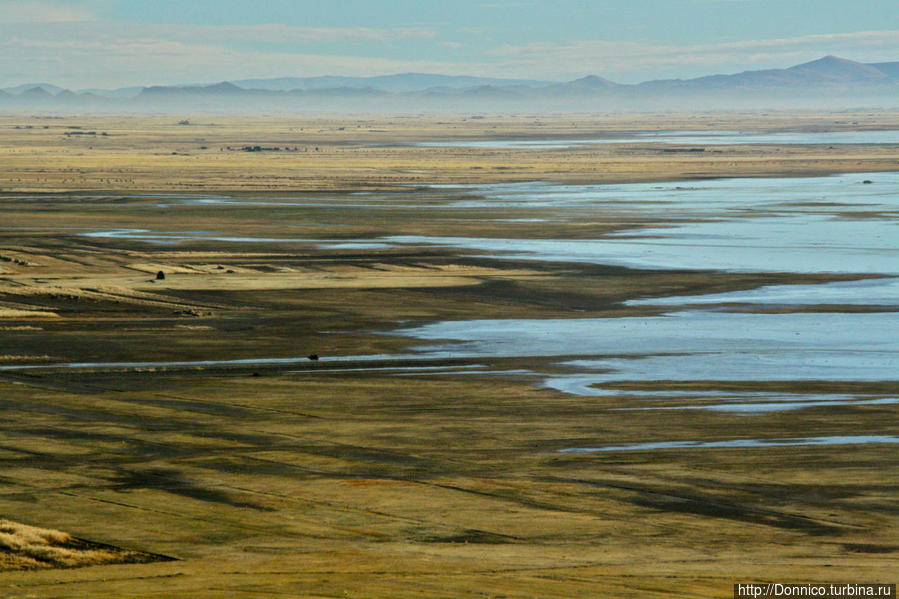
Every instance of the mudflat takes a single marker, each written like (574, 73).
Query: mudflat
(307, 357)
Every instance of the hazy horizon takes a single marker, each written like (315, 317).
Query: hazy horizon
(85, 44)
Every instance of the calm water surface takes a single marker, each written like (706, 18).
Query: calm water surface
(835, 224)
(711, 138)
(817, 225)
(747, 443)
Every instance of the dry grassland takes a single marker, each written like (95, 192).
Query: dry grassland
(141, 153)
(325, 479)
(24, 547)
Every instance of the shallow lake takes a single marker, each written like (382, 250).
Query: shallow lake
(816, 225)
(687, 138)
(741, 443)
(688, 346)
(836, 224)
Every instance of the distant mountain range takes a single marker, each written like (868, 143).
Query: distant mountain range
(829, 81)
(408, 82)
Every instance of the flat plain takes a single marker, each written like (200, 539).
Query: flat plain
(181, 417)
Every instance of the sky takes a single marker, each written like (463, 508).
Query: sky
(119, 43)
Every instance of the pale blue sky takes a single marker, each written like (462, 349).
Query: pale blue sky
(114, 43)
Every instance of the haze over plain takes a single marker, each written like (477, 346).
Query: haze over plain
(570, 54)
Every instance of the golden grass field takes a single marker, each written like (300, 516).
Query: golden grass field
(143, 153)
(324, 479)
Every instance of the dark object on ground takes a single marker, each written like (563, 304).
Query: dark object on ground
(313, 357)
(867, 181)
(255, 374)
(160, 276)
